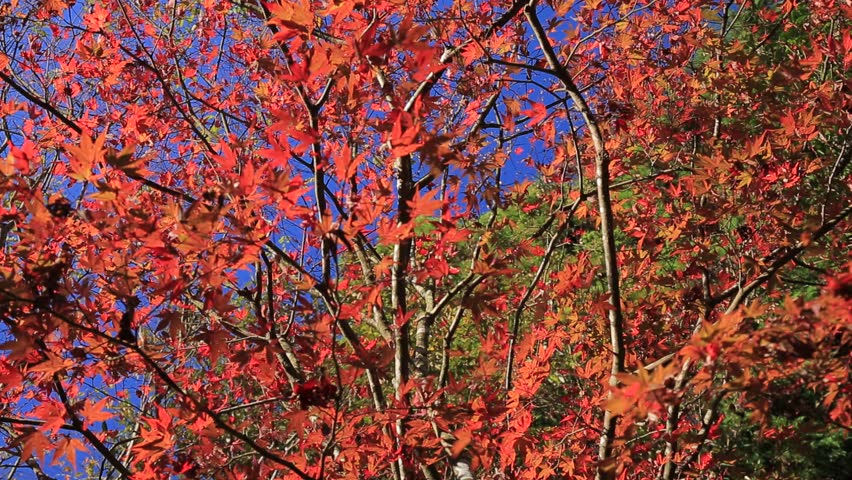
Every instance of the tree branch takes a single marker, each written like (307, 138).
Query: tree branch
(91, 437)
(616, 319)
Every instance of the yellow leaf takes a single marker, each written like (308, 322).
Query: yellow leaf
(618, 404)
(103, 196)
(710, 15)
(8, 165)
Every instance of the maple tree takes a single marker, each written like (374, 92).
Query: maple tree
(384, 239)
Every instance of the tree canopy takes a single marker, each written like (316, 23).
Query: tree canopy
(323, 239)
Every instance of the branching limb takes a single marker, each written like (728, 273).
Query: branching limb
(740, 295)
(615, 316)
(93, 439)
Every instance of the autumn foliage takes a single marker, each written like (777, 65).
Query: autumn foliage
(462, 240)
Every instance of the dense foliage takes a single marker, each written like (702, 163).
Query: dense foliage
(384, 239)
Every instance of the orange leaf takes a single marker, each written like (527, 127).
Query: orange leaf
(345, 164)
(95, 412)
(84, 157)
(463, 438)
(425, 204)
(536, 113)
(36, 443)
(67, 448)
